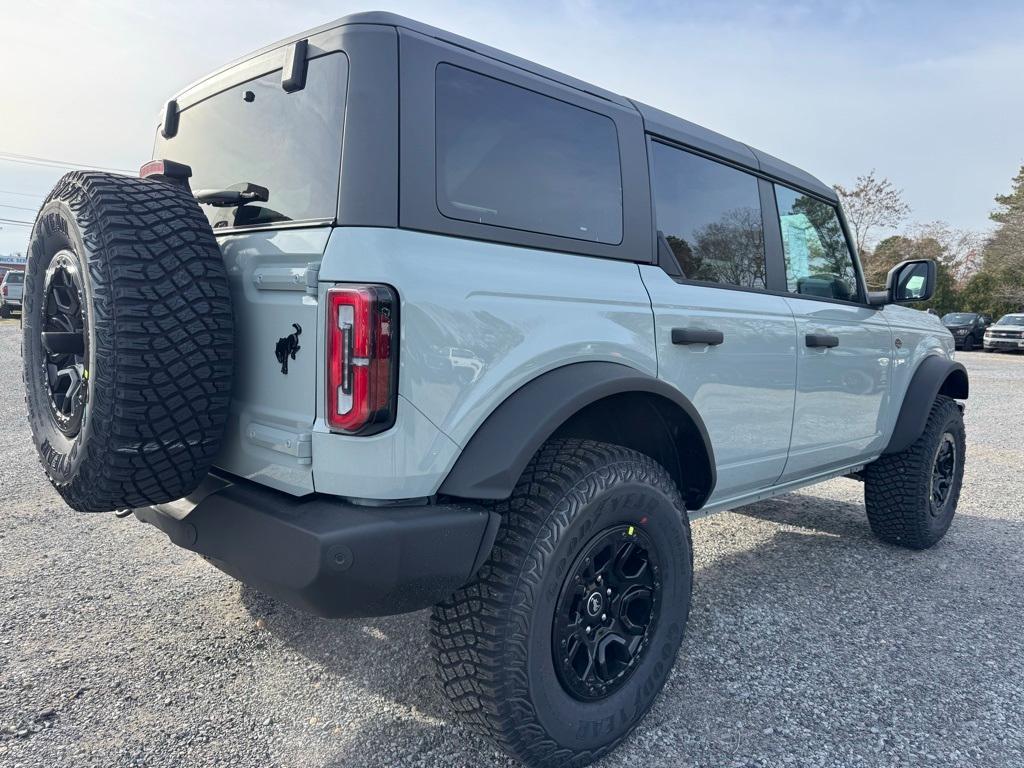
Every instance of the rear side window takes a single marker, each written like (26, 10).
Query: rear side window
(710, 214)
(258, 133)
(511, 157)
(818, 259)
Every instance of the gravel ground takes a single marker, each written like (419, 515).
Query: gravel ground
(809, 643)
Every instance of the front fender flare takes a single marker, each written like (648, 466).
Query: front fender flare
(494, 458)
(934, 376)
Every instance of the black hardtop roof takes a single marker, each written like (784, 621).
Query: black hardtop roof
(656, 121)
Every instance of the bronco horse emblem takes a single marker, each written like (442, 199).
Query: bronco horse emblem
(288, 346)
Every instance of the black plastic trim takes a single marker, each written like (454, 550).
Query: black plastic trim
(327, 556)
(697, 336)
(821, 340)
(169, 122)
(495, 457)
(293, 74)
(928, 381)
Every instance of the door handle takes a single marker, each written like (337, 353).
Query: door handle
(697, 336)
(826, 340)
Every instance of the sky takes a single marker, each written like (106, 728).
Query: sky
(929, 94)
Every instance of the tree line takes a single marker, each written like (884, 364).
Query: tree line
(977, 273)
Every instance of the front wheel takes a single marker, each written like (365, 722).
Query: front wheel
(969, 344)
(911, 496)
(560, 645)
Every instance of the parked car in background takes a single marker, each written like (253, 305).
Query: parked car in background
(968, 329)
(1007, 334)
(11, 287)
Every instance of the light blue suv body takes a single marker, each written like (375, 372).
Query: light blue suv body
(448, 265)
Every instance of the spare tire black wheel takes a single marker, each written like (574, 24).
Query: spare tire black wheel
(128, 341)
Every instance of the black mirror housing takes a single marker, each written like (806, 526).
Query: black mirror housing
(911, 281)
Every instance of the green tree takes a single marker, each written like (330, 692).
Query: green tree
(1003, 255)
(887, 255)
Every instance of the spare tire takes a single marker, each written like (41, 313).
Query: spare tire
(128, 341)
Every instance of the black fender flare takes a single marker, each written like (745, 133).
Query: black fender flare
(494, 458)
(934, 376)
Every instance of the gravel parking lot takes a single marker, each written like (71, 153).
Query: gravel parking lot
(810, 644)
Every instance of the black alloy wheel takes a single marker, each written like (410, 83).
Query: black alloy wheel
(943, 474)
(606, 612)
(64, 337)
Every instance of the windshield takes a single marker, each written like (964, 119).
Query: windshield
(258, 133)
(959, 318)
(1011, 320)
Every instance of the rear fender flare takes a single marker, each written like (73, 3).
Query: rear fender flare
(494, 458)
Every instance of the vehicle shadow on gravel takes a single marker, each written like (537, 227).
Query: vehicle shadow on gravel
(811, 627)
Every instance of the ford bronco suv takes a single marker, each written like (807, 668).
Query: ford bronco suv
(396, 320)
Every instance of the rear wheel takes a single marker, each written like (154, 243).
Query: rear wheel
(562, 642)
(128, 338)
(911, 496)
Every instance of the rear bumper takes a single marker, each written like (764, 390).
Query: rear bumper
(326, 556)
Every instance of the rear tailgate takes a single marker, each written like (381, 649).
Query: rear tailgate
(243, 128)
(273, 405)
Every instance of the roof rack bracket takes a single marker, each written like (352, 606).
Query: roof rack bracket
(169, 124)
(293, 75)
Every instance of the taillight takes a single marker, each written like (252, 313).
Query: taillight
(3, 289)
(362, 358)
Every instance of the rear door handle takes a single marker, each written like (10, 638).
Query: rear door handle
(822, 340)
(697, 336)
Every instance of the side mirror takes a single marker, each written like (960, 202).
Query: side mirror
(907, 282)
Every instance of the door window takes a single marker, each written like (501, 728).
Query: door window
(818, 258)
(710, 215)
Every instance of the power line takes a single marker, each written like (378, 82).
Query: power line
(47, 162)
(18, 208)
(36, 195)
(16, 222)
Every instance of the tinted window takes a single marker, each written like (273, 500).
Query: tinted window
(256, 132)
(818, 260)
(14, 278)
(710, 215)
(959, 318)
(1011, 320)
(515, 158)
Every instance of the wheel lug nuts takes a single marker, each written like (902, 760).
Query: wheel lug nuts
(607, 591)
(604, 616)
(588, 630)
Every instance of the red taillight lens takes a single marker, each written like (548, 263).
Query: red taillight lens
(3, 289)
(362, 352)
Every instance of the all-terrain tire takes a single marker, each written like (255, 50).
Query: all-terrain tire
(899, 490)
(128, 269)
(493, 640)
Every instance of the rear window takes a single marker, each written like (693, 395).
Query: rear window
(511, 157)
(257, 133)
(14, 278)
